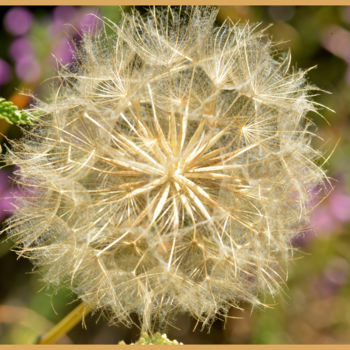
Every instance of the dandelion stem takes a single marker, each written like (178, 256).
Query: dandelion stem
(65, 325)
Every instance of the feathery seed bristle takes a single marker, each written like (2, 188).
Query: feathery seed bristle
(170, 170)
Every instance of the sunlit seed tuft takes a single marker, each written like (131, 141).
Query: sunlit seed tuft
(170, 171)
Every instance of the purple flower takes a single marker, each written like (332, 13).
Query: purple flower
(18, 21)
(322, 220)
(336, 40)
(64, 13)
(4, 181)
(328, 217)
(89, 21)
(302, 239)
(61, 16)
(5, 72)
(20, 48)
(332, 279)
(8, 196)
(339, 205)
(63, 51)
(28, 69)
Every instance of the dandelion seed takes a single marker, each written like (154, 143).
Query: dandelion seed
(170, 171)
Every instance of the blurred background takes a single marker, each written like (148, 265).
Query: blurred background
(315, 306)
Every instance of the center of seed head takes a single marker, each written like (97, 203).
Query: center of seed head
(173, 169)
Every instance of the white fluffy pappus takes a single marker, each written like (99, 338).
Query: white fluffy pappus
(170, 168)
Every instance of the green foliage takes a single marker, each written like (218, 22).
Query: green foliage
(12, 114)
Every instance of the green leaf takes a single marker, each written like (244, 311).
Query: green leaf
(12, 114)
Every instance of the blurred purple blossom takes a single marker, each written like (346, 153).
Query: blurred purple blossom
(337, 41)
(26, 65)
(322, 220)
(20, 48)
(61, 16)
(85, 20)
(18, 21)
(7, 195)
(63, 13)
(89, 21)
(332, 214)
(28, 69)
(327, 217)
(339, 205)
(332, 278)
(5, 72)
(302, 239)
(63, 51)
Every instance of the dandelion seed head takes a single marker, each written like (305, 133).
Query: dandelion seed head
(170, 169)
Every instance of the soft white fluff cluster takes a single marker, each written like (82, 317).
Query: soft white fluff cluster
(170, 168)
